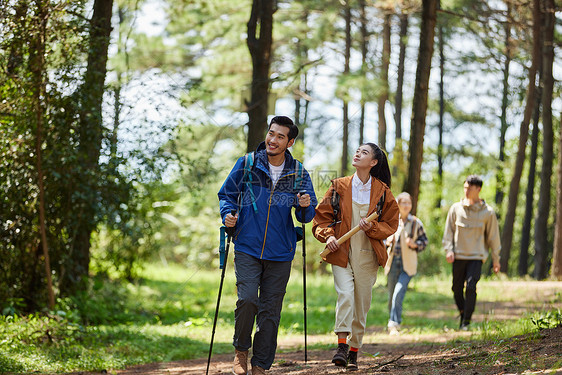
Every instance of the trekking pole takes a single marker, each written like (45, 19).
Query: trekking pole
(304, 275)
(229, 233)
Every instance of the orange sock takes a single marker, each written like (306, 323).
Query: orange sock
(352, 349)
(342, 341)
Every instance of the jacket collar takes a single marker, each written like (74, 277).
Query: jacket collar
(343, 187)
(409, 218)
(476, 206)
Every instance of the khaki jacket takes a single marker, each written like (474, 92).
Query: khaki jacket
(471, 230)
(381, 229)
(409, 256)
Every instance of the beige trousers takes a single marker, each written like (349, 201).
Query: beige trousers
(354, 284)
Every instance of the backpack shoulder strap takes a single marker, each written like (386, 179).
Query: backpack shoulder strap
(335, 202)
(380, 205)
(299, 170)
(248, 165)
(414, 227)
(247, 177)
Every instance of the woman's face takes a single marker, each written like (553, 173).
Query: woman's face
(405, 206)
(364, 158)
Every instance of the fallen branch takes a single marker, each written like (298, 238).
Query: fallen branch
(387, 363)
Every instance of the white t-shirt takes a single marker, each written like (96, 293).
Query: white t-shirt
(276, 171)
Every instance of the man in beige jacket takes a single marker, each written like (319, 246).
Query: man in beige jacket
(471, 229)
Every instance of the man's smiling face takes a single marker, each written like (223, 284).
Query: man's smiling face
(277, 140)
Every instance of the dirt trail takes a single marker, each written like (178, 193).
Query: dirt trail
(529, 355)
(538, 353)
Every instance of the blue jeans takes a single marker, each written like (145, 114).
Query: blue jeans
(398, 281)
(261, 286)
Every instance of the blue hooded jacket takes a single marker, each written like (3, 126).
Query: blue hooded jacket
(268, 233)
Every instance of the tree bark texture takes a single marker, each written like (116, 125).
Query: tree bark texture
(400, 85)
(259, 41)
(500, 175)
(364, 50)
(37, 68)
(300, 109)
(556, 270)
(507, 231)
(91, 135)
(523, 266)
(542, 248)
(441, 117)
(383, 97)
(345, 138)
(419, 105)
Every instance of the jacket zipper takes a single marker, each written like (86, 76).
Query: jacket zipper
(269, 209)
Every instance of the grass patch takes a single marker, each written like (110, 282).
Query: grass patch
(168, 314)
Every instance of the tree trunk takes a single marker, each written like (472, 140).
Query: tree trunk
(261, 19)
(117, 92)
(441, 116)
(345, 138)
(543, 212)
(400, 84)
(383, 97)
(398, 159)
(556, 271)
(362, 123)
(523, 266)
(37, 68)
(301, 58)
(91, 133)
(500, 176)
(419, 105)
(364, 51)
(507, 233)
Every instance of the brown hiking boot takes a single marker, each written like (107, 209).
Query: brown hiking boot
(240, 366)
(352, 361)
(257, 370)
(340, 358)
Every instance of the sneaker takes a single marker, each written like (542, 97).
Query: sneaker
(352, 361)
(257, 370)
(340, 358)
(240, 366)
(393, 328)
(465, 326)
(393, 331)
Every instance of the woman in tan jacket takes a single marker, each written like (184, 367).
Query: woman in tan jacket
(355, 262)
(402, 263)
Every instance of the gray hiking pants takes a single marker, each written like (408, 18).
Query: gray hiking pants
(261, 287)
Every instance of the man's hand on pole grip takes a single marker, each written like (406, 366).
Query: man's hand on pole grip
(231, 219)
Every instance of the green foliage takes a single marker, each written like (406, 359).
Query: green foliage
(22, 266)
(113, 190)
(548, 319)
(182, 215)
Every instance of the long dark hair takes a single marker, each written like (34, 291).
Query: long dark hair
(381, 170)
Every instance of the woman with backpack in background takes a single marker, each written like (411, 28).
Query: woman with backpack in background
(402, 263)
(356, 261)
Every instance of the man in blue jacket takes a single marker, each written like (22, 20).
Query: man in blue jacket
(263, 187)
